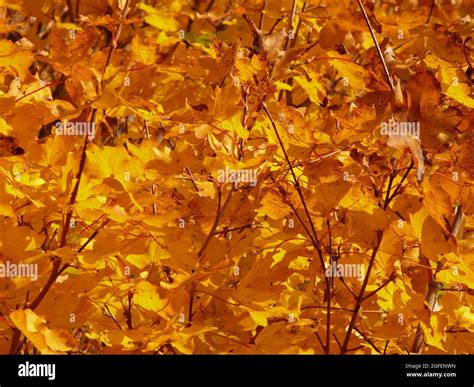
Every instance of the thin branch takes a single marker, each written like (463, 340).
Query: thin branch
(355, 348)
(324, 307)
(385, 283)
(186, 168)
(314, 236)
(372, 33)
(368, 340)
(328, 295)
(192, 292)
(295, 179)
(337, 341)
(110, 315)
(347, 286)
(431, 11)
(320, 341)
(262, 15)
(219, 212)
(153, 186)
(75, 191)
(70, 10)
(360, 297)
(387, 195)
(52, 278)
(315, 58)
(250, 225)
(303, 224)
(257, 34)
(272, 28)
(210, 235)
(116, 36)
(94, 234)
(128, 311)
(399, 186)
(457, 222)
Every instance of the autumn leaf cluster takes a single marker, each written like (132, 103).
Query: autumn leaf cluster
(236, 154)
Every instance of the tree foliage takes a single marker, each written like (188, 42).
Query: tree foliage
(235, 192)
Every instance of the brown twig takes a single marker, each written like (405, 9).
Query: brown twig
(295, 179)
(385, 283)
(262, 15)
(94, 234)
(431, 11)
(320, 341)
(77, 7)
(115, 39)
(210, 235)
(250, 225)
(328, 295)
(456, 227)
(70, 10)
(371, 343)
(313, 234)
(399, 186)
(219, 212)
(75, 191)
(360, 297)
(372, 33)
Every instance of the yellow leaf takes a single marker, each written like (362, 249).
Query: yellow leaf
(234, 124)
(273, 206)
(34, 327)
(435, 335)
(144, 50)
(159, 19)
(15, 60)
(206, 189)
(353, 74)
(312, 88)
(148, 298)
(259, 317)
